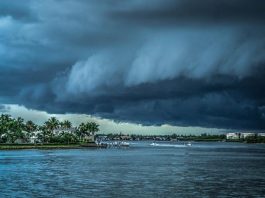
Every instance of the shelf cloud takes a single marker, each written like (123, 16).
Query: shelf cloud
(177, 62)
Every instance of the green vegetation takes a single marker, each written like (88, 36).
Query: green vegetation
(173, 137)
(18, 134)
(52, 132)
(255, 139)
(202, 137)
(38, 146)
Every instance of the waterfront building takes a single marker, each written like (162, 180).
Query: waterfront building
(90, 137)
(34, 138)
(232, 136)
(62, 130)
(245, 135)
(125, 137)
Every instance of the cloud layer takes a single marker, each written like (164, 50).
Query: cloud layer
(105, 125)
(187, 63)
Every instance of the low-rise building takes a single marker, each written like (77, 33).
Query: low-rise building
(245, 135)
(64, 130)
(125, 137)
(90, 137)
(34, 138)
(232, 136)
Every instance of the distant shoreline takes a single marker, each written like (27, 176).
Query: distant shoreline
(83, 145)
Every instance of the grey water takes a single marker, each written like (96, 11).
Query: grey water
(164, 170)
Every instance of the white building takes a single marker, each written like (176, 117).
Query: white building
(64, 130)
(232, 136)
(261, 134)
(245, 135)
(34, 137)
(90, 137)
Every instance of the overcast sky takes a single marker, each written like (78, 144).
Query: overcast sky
(175, 63)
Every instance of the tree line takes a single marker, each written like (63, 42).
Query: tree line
(17, 130)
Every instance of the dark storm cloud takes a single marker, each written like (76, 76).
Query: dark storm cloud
(19, 10)
(204, 11)
(189, 63)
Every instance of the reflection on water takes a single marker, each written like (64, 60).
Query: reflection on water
(170, 170)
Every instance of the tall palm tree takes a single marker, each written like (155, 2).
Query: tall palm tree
(20, 123)
(30, 127)
(87, 129)
(49, 128)
(12, 129)
(82, 131)
(52, 123)
(66, 133)
(45, 134)
(66, 124)
(16, 127)
(93, 127)
(5, 117)
(5, 125)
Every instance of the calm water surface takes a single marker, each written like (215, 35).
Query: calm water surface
(166, 170)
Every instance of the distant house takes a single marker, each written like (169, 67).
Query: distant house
(20, 141)
(64, 130)
(125, 137)
(90, 137)
(232, 136)
(101, 138)
(261, 134)
(245, 135)
(34, 137)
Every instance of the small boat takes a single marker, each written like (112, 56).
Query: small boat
(119, 144)
(154, 144)
(188, 144)
(124, 144)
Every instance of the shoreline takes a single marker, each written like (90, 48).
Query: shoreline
(79, 145)
(48, 146)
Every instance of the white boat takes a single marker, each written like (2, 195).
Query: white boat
(154, 144)
(124, 144)
(119, 144)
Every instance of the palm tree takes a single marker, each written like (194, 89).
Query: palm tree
(5, 118)
(49, 128)
(66, 124)
(15, 129)
(93, 127)
(5, 123)
(12, 129)
(87, 129)
(68, 138)
(82, 131)
(52, 124)
(30, 127)
(65, 135)
(20, 123)
(45, 134)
